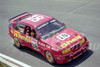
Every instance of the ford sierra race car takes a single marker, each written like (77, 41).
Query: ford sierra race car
(48, 36)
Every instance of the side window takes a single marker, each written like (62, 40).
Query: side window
(27, 30)
(33, 33)
(19, 27)
(30, 32)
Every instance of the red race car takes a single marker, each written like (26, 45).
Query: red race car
(56, 42)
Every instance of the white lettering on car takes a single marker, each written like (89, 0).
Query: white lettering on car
(34, 45)
(35, 18)
(42, 44)
(48, 46)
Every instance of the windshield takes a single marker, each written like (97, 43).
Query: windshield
(50, 28)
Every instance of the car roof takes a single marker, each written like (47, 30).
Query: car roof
(36, 19)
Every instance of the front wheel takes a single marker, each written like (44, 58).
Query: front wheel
(17, 42)
(50, 58)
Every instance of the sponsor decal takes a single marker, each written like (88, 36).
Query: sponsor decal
(63, 36)
(43, 25)
(35, 45)
(48, 46)
(63, 45)
(17, 34)
(42, 44)
(54, 48)
(52, 21)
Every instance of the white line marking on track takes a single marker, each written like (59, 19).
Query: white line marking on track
(12, 62)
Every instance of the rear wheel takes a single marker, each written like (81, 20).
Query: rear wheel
(50, 58)
(17, 42)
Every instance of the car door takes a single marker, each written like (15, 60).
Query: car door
(34, 42)
(18, 32)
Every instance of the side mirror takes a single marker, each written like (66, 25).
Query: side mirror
(37, 37)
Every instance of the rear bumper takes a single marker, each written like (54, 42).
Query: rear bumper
(61, 59)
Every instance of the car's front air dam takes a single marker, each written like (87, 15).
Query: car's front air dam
(72, 55)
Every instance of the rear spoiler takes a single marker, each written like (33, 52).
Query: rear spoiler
(19, 17)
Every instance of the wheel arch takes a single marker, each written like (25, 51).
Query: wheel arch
(47, 49)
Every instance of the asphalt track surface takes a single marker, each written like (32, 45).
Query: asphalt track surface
(80, 15)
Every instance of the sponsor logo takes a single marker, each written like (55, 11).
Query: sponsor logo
(42, 44)
(34, 45)
(17, 34)
(63, 45)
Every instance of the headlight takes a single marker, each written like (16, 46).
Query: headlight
(66, 51)
(82, 41)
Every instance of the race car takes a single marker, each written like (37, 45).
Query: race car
(48, 36)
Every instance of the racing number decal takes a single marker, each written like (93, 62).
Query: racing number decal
(63, 36)
(35, 18)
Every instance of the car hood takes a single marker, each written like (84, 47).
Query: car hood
(68, 35)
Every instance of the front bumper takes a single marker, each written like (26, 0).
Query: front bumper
(61, 59)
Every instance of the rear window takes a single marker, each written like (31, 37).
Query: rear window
(20, 27)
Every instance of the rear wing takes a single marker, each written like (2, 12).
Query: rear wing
(19, 17)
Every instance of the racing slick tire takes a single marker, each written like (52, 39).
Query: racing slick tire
(50, 58)
(17, 43)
